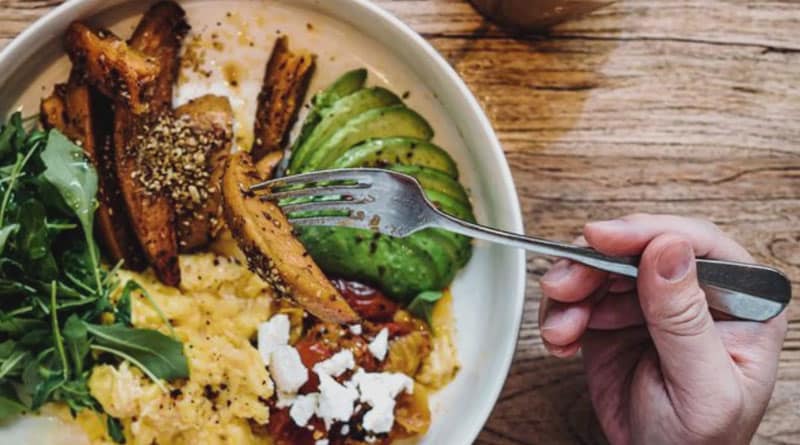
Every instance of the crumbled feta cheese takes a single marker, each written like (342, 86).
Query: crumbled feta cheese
(380, 344)
(303, 408)
(285, 400)
(380, 418)
(345, 429)
(335, 400)
(356, 329)
(322, 442)
(271, 334)
(379, 391)
(287, 369)
(335, 366)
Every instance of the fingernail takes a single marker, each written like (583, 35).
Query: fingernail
(555, 318)
(610, 225)
(560, 270)
(674, 262)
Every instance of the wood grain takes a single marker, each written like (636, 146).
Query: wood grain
(671, 106)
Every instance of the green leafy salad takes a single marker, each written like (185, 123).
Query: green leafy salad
(54, 291)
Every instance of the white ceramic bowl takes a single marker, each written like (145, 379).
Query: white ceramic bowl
(489, 293)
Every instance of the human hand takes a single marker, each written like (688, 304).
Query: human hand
(661, 368)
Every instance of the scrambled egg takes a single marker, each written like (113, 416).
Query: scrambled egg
(215, 313)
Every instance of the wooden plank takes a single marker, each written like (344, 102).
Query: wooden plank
(672, 106)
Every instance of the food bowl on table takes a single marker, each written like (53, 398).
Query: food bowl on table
(236, 38)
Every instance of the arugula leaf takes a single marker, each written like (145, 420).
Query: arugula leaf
(122, 312)
(132, 286)
(422, 305)
(71, 173)
(76, 341)
(157, 355)
(33, 240)
(115, 429)
(9, 403)
(5, 232)
(68, 169)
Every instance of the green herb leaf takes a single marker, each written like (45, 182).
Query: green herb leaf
(5, 232)
(76, 340)
(9, 402)
(158, 356)
(33, 240)
(115, 429)
(422, 305)
(76, 180)
(72, 174)
(132, 286)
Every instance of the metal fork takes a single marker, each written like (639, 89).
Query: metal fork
(395, 204)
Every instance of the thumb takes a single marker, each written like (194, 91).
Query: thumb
(694, 361)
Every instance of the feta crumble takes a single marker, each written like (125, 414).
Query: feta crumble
(356, 329)
(337, 365)
(379, 391)
(335, 400)
(379, 346)
(271, 334)
(287, 369)
(303, 409)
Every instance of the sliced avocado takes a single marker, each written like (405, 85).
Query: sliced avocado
(398, 150)
(434, 180)
(347, 84)
(449, 205)
(445, 255)
(338, 114)
(396, 120)
(398, 268)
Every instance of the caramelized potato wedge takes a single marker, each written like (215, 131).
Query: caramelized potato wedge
(83, 115)
(267, 164)
(285, 85)
(114, 68)
(265, 236)
(53, 111)
(211, 115)
(158, 36)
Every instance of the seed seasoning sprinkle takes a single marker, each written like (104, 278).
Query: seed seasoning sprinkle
(171, 156)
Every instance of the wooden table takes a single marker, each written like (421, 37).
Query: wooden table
(680, 106)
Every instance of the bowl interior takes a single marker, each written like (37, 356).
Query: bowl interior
(344, 34)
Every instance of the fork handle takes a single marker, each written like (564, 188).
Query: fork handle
(744, 291)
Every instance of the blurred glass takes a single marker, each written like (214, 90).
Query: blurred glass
(535, 15)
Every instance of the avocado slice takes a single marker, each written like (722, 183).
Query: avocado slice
(338, 114)
(431, 179)
(442, 251)
(347, 84)
(398, 151)
(398, 268)
(396, 120)
(449, 205)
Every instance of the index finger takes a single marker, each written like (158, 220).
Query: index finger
(631, 234)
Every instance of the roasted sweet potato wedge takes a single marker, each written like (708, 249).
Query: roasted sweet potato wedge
(84, 116)
(265, 236)
(266, 165)
(213, 116)
(285, 85)
(112, 66)
(158, 36)
(53, 111)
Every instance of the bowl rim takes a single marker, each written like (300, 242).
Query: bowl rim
(19, 50)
